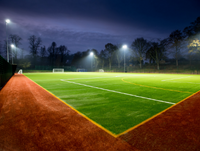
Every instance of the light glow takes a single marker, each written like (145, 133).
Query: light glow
(12, 45)
(124, 46)
(91, 53)
(7, 20)
(195, 43)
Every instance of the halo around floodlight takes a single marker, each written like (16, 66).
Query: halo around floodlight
(7, 20)
(91, 53)
(12, 45)
(124, 46)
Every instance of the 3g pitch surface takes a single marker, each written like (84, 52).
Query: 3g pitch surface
(118, 101)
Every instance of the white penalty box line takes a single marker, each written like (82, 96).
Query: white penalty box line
(119, 92)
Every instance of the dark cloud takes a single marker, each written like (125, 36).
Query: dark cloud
(84, 24)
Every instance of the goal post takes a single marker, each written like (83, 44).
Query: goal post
(101, 70)
(81, 70)
(58, 70)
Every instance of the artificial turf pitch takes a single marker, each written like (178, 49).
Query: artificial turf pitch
(118, 101)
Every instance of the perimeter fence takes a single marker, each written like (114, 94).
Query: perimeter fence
(184, 69)
(6, 71)
(194, 68)
(44, 68)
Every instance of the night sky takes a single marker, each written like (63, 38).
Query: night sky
(87, 24)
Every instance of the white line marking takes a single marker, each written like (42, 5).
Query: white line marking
(118, 92)
(177, 78)
(106, 77)
(88, 78)
(184, 82)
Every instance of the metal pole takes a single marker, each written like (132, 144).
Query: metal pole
(12, 54)
(124, 60)
(7, 44)
(91, 64)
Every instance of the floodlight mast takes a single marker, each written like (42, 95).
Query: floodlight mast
(7, 22)
(12, 46)
(91, 54)
(124, 47)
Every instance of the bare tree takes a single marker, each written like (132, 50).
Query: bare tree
(76, 59)
(175, 40)
(119, 55)
(16, 40)
(156, 52)
(63, 52)
(34, 44)
(52, 53)
(102, 57)
(139, 48)
(196, 26)
(110, 51)
(43, 51)
(22, 53)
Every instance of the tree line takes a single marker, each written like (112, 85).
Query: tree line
(180, 44)
(38, 55)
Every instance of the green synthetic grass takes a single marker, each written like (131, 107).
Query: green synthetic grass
(100, 96)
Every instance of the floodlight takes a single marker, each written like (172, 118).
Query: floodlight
(7, 20)
(124, 46)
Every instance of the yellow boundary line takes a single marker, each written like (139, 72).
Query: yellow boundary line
(130, 129)
(114, 135)
(154, 87)
(85, 116)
